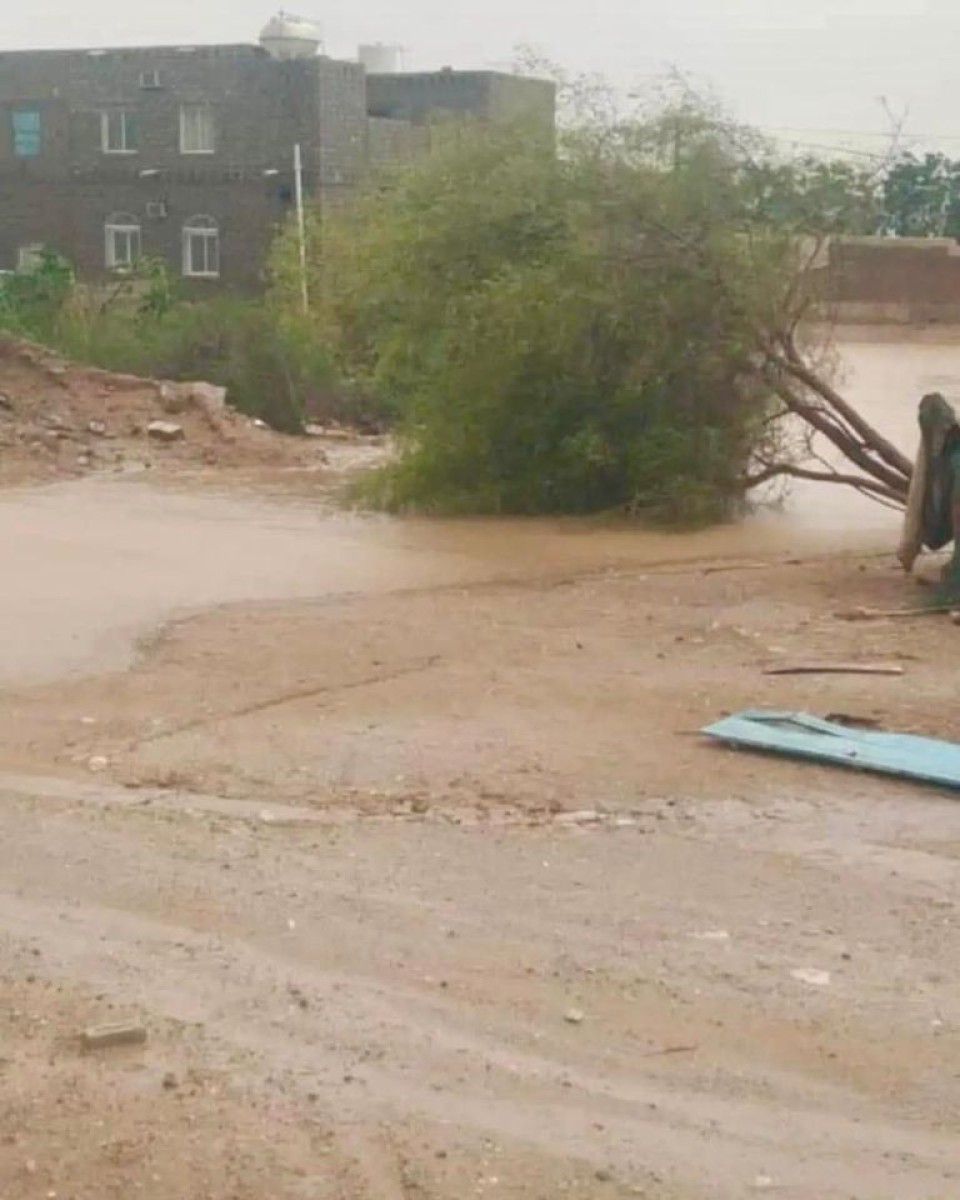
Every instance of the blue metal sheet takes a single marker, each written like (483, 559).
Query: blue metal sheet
(800, 735)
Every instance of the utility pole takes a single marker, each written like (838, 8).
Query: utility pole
(301, 226)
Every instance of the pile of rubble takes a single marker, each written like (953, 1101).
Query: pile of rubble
(59, 419)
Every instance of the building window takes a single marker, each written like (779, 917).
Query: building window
(26, 132)
(201, 248)
(118, 132)
(196, 129)
(30, 258)
(122, 242)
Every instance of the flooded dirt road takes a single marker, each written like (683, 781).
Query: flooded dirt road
(92, 564)
(399, 840)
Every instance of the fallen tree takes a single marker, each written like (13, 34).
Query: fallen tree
(882, 471)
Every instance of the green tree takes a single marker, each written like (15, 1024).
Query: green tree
(921, 196)
(32, 302)
(816, 196)
(563, 331)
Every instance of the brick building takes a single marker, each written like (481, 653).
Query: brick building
(186, 153)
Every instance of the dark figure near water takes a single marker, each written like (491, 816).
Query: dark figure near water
(933, 508)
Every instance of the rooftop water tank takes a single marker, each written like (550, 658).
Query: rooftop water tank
(287, 37)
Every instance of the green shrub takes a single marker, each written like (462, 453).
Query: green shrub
(557, 332)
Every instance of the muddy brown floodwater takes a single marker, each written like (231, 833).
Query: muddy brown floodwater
(399, 840)
(885, 380)
(90, 564)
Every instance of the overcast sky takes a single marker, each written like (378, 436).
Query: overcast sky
(804, 68)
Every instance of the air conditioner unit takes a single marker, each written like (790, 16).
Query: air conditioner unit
(156, 209)
(150, 81)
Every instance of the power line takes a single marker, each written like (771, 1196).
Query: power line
(925, 137)
(873, 155)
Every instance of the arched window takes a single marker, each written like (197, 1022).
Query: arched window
(122, 233)
(201, 248)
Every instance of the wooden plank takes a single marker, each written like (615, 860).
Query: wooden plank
(799, 735)
(894, 614)
(103, 1037)
(840, 668)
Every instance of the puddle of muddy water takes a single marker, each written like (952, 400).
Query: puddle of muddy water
(90, 565)
(884, 379)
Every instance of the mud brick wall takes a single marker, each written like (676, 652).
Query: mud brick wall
(892, 280)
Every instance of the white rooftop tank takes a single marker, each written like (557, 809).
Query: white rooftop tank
(287, 37)
(379, 59)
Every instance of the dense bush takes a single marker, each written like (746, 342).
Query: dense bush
(557, 331)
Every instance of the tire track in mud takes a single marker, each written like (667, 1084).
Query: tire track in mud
(149, 920)
(291, 697)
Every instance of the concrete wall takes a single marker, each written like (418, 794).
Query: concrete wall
(390, 141)
(422, 96)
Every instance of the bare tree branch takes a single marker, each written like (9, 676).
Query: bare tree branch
(867, 486)
(824, 422)
(793, 362)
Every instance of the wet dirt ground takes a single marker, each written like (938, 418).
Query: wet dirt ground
(400, 841)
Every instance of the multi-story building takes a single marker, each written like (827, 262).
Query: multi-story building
(187, 153)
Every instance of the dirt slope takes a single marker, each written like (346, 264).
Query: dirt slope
(59, 419)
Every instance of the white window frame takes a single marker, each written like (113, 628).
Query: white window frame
(206, 231)
(126, 227)
(127, 124)
(29, 257)
(197, 130)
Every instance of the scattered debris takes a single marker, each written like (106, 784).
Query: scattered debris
(105, 1037)
(179, 398)
(845, 668)
(852, 720)
(97, 428)
(331, 433)
(209, 397)
(172, 399)
(811, 975)
(98, 763)
(667, 1050)
(584, 817)
(574, 1016)
(884, 614)
(711, 935)
(165, 431)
